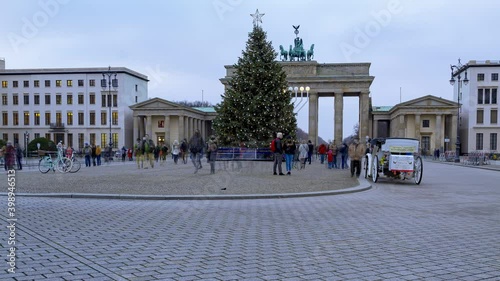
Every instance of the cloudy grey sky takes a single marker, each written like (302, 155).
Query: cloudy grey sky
(183, 45)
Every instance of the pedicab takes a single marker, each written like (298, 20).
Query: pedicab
(396, 158)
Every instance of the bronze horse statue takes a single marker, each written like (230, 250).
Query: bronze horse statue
(310, 53)
(283, 54)
(298, 53)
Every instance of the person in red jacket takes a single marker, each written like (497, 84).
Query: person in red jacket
(322, 152)
(330, 159)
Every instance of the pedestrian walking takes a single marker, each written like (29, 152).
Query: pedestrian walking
(212, 153)
(277, 149)
(196, 144)
(176, 149)
(19, 156)
(87, 151)
(289, 154)
(322, 152)
(356, 153)
(310, 150)
(303, 154)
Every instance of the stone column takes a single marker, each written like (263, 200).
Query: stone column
(439, 128)
(149, 126)
(167, 130)
(401, 126)
(136, 129)
(181, 128)
(203, 129)
(142, 130)
(453, 138)
(375, 128)
(417, 127)
(313, 117)
(191, 126)
(186, 128)
(364, 111)
(339, 113)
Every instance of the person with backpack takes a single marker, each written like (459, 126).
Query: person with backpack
(343, 154)
(196, 144)
(183, 151)
(277, 150)
(322, 152)
(139, 156)
(212, 153)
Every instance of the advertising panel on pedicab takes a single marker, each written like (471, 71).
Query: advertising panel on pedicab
(401, 145)
(401, 163)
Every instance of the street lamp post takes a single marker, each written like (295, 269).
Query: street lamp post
(110, 82)
(304, 92)
(456, 70)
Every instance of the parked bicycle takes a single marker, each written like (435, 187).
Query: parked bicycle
(61, 163)
(76, 164)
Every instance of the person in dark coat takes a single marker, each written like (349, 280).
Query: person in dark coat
(19, 156)
(10, 156)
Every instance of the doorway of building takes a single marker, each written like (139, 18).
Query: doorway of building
(425, 144)
(160, 140)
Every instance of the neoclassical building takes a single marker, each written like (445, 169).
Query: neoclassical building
(431, 120)
(165, 121)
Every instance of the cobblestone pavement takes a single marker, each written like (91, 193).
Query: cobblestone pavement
(445, 229)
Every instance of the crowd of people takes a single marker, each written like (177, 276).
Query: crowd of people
(287, 148)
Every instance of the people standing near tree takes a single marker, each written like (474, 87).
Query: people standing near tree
(356, 153)
(98, 153)
(10, 156)
(184, 151)
(289, 150)
(175, 151)
(278, 154)
(19, 156)
(322, 152)
(303, 154)
(343, 154)
(196, 144)
(310, 151)
(87, 151)
(212, 153)
(139, 155)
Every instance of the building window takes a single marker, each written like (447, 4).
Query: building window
(92, 138)
(493, 96)
(36, 121)
(104, 138)
(47, 98)
(58, 83)
(136, 87)
(36, 83)
(47, 118)
(494, 116)
(26, 84)
(5, 84)
(15, 118)
(80, 99)
(425, 123)
(103, 100)
(115, 100)
(37, 99)
(115, 117)
(58, 99)
(480, 116)
(479, 96)
(5, 119)
(5, 137)
(59, 118)
(15, 99)
(69, 118)
(92, 83)
(47, 83)
(81, 118)
(80, 83)
(47, 136)
(479, 141)
(26, 118)
(69, 98)
(115, 140)
(92, 118)
(26, 99)
(486, 96)
(5, 100)
(480, 77)
(16, 137)
(37, 135)
(81, 139)
(494, 76)
(69, 83)
(103, 117)
(92, 98)
(70, 140)
(493, 141)
(136, 99)
(15, 84)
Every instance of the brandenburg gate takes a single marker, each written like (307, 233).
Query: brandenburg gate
(336, 80)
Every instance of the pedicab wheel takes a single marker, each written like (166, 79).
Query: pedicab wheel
(375, 168)
(64, 165)
(44, 166)
(366, 167)
(418, 170)
(76, 166)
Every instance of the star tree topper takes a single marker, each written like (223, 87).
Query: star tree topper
(257, 17)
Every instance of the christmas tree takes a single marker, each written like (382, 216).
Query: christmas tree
(256, 104)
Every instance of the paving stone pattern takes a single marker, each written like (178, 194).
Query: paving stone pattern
(441, 230)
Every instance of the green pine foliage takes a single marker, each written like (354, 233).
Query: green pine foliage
(256, 104)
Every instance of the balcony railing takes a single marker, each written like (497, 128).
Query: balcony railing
(57, 126)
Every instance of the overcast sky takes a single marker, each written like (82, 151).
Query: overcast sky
(183, 45)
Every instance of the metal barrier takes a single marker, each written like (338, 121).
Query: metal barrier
(244, 154)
